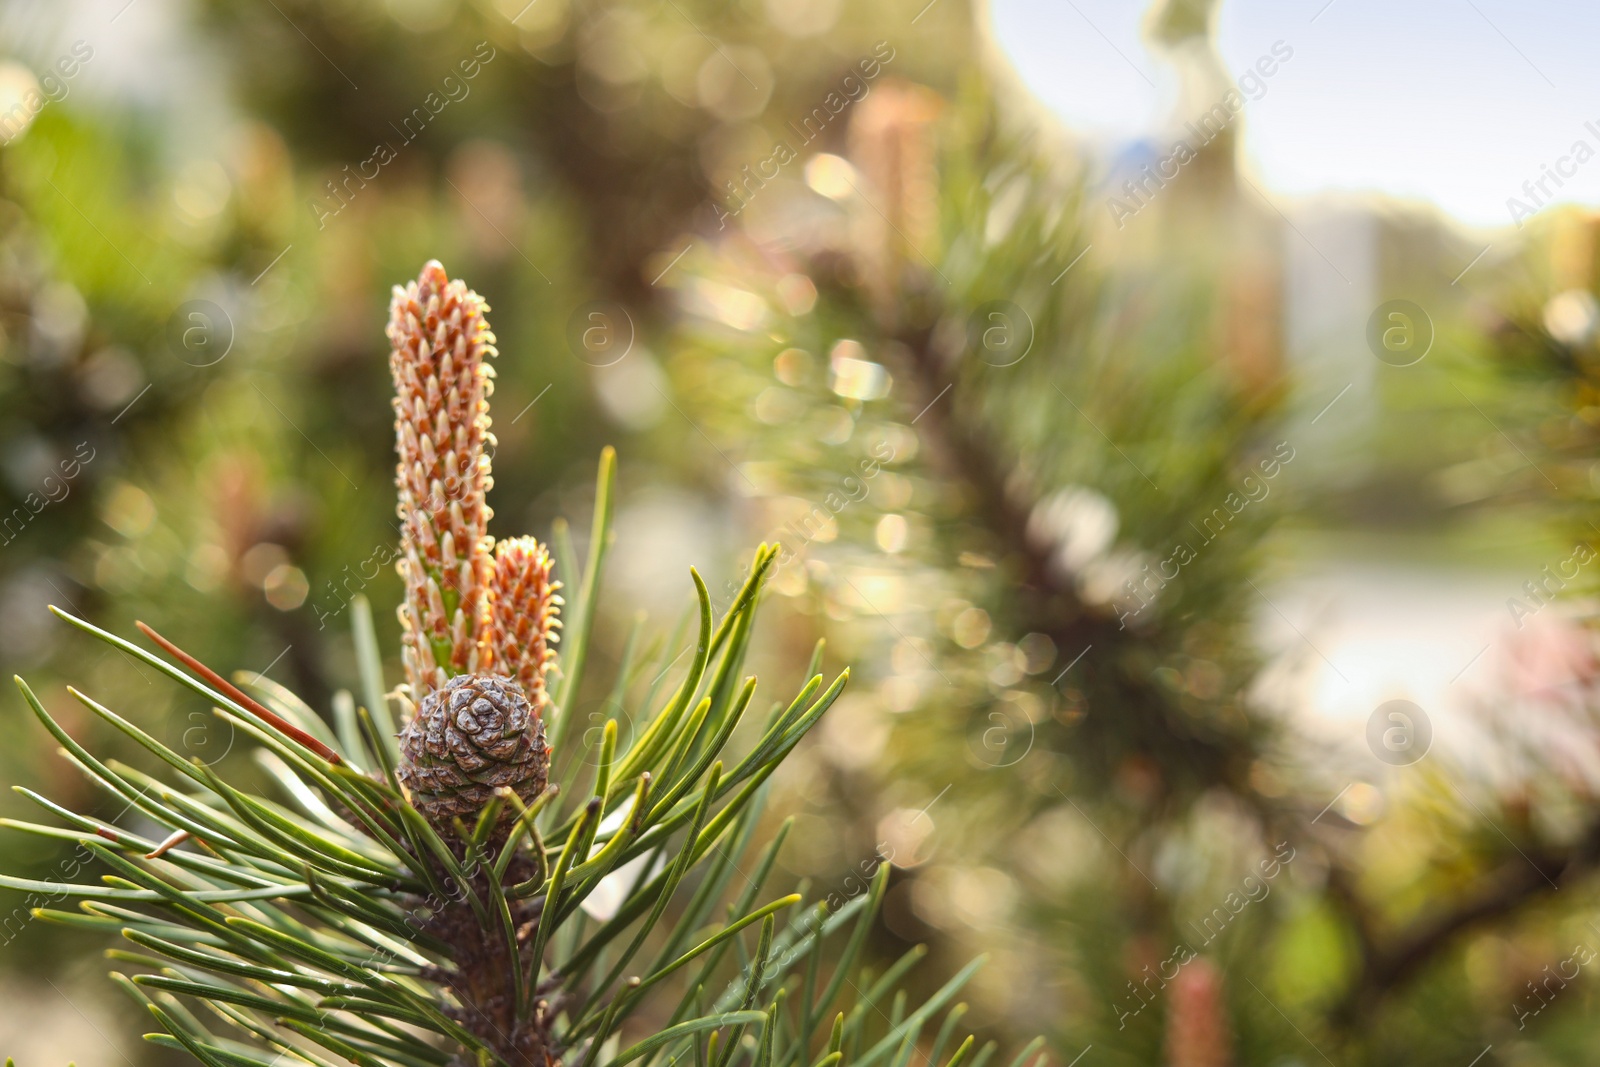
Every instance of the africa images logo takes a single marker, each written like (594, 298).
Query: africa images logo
(1203, 129)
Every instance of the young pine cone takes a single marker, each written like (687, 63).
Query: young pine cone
(475, 735)
(524, 608)
(440, 343)
(1198, 1034)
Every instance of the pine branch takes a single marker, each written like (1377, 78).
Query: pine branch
(1390, 958)
(1148, 720)
(436, 903)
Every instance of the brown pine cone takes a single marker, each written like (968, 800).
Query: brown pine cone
(475, 735)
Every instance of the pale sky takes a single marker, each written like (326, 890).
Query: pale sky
(1458, 102)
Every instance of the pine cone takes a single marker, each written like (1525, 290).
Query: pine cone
(440, 342)
(1198, 1034)
(475, 735)
(524, 606)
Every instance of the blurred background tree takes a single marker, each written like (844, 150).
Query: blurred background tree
(1051, 474)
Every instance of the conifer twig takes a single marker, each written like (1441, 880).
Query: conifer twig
(238, 696)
